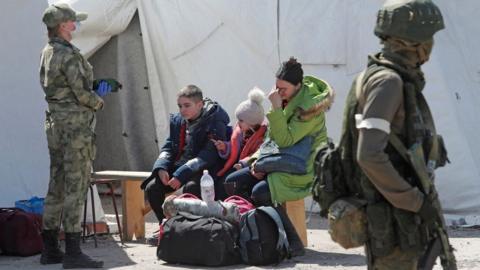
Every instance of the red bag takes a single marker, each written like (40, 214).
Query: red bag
(20, 232)
(243, 204)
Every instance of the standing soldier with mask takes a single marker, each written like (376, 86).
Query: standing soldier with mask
(386, 111)
(67, 78)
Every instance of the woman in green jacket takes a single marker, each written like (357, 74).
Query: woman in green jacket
(297, 111)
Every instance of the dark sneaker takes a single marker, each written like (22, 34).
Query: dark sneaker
(153, 240)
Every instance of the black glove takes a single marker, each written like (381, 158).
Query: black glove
(427, 212)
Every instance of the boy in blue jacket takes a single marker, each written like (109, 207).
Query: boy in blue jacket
(189, 149)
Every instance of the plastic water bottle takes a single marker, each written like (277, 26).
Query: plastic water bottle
(207, 187)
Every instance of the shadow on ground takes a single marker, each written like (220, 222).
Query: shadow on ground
(108, 247)
(312, 257)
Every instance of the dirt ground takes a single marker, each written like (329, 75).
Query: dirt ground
(321, 253)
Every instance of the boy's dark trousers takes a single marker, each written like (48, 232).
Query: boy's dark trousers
(244, 184)
(155, 193)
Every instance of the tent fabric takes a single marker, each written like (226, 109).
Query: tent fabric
(228, 47)
(314, 35)
(24, 162)
(106, 18)
(24, 166)
(125, 130)
(199, 51)
(111, 38)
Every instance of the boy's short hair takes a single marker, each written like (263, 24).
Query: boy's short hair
(191, 91)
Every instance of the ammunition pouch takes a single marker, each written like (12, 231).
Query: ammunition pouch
(389, 227)
(381, 229)
(411, 234)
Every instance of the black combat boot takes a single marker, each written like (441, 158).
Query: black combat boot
(51, 253)
(74, 258)
(296, 244)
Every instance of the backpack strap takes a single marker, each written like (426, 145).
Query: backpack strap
(359, 84)
(252, 224)
(399, 146)
(352, 100)
(282, 235)
(248, 231)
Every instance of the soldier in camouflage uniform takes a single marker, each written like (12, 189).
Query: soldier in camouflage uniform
(400, 212)
(67, 78)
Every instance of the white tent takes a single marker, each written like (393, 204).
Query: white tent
(226, 48)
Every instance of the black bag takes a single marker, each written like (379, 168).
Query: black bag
(197, 240)
(262, 237)
(20, 232)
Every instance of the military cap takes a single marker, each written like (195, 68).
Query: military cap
(62, 12)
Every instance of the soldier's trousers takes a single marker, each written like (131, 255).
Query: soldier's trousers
(397, 260)
(71, 146)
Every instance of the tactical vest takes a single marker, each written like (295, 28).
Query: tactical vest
(388, 226)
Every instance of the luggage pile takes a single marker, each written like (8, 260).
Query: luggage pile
(221, 233)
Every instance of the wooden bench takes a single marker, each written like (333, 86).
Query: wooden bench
(133, 202)
(296, 213)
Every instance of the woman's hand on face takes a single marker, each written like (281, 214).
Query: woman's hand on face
(275, 98)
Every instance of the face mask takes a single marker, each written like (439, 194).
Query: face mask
(77, 26)
(424, 50)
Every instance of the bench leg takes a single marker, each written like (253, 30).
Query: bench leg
(133, 221)
(296, 213)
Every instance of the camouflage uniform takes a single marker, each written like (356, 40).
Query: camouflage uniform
(67, 78)
(401, 214)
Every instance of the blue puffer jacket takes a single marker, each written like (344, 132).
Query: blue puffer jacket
(213, 123)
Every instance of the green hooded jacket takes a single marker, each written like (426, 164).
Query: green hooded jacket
(303, 116)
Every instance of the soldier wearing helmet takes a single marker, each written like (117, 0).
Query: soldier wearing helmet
(386, 101)
(67, 79)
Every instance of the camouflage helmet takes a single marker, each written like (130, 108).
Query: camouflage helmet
(411, 20)
(58, 13)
